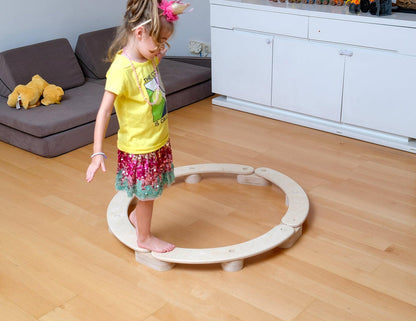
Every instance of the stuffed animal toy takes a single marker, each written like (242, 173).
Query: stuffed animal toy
(52, 95)
(354, 6)
(29, 95)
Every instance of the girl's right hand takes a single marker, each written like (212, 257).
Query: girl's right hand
(96, 163)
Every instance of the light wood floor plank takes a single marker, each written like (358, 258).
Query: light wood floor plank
(11, 312)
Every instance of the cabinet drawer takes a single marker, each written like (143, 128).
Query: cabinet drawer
(364, 34)
(257, 20)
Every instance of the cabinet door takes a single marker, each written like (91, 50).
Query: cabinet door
(379, 92)
(242, 65)
(307, 77)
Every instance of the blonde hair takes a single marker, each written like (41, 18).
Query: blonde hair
(139, 11)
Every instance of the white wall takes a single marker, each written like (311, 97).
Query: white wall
(191, 26)
(26, 22)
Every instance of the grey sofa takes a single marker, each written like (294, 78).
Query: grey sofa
(53, 130)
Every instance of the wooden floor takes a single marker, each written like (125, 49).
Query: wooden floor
(355, 261)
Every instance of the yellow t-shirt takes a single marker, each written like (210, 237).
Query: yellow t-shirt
(143, 128)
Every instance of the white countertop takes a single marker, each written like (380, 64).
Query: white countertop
(323, 11)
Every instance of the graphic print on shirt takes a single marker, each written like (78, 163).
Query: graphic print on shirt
(159, 109)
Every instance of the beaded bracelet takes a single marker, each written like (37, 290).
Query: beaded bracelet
(99, 153)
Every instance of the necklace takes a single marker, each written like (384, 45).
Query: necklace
(138, 81)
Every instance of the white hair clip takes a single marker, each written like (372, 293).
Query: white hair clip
(141, 25)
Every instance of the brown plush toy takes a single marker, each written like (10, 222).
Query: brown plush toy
(52, 95)
(29, 95)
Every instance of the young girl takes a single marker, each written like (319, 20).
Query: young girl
(134, 87)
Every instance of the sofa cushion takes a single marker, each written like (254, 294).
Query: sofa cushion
(91, 51)
(79, 106)
(53, 60)
(178, 75)
(56, 144)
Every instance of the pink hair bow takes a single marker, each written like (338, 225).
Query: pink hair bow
(171, 9)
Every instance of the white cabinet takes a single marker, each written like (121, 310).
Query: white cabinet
(318, 66)
(380, 92)
(308, 77)
(241, 64)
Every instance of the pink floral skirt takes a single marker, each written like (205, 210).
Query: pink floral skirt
(145, 175)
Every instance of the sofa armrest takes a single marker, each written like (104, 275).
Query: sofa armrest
(198, 61)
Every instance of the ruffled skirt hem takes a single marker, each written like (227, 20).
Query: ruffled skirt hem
(145, 175)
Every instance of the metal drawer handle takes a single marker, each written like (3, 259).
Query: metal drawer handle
(344, 52)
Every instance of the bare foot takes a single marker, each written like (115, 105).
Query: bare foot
(150, 243)
(154, 244)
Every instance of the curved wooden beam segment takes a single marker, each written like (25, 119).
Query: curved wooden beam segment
(296, 198)
(276, 236)
(213, 169)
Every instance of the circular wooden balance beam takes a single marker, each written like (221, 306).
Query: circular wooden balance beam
(231, 257)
